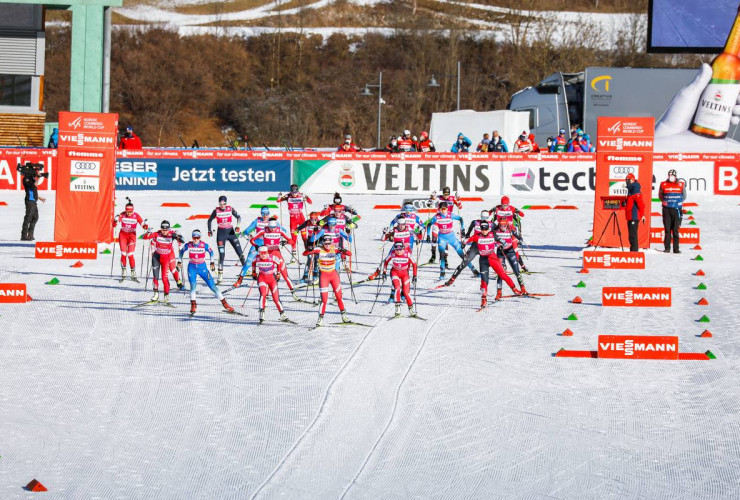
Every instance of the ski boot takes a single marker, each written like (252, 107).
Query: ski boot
(262, 316)
(320, 321)
(498, 294)
(166, 298)
(442, 274)
(374, 275)
(517, 292)
(155, 297)
(523, 290)
(219, 276)
(294, 295)
(283, 317)
(180, 285)
(238, 281)
(433, 259)
(524, 268)
(484, 301)
(133, 275)
(412, 313)
(398, 311)
(345, 318)
(226, 305)
(123, 273)
(450, 281)
(193, 307)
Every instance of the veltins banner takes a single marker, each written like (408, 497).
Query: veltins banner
(625, 146)
(85, 178)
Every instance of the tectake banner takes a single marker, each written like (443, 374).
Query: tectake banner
(185, 174)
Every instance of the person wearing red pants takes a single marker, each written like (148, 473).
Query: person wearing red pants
(264, 269)
(296, 208)
(272, 237)
(326, 257)
(400, 260)
(127, 238)
(163, 254)
(487, 243)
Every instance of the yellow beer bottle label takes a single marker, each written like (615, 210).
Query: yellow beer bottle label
(715, 106)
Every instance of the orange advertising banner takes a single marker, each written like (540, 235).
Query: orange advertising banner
(13, 293)
(613, 260)
(625, 146)
(55, 250)
(629, 296)
(638, 347)
(688, 235)
(86, 173)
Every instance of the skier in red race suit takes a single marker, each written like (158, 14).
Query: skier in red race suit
(272, 237)
(163, 254)
(296, 207)
(487, 243)
(400, 261)
(264, 269)
(127, 238)
(452, 201)
(327, 262)
(507, 252)
(507, 212)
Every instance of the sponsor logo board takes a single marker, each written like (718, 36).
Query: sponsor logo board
(687, 235)
(613, 260)
(54, 250)
(84, 184)
(727, 178)
(617, 296)
(13, 293)
(85, 167)
(638, 347)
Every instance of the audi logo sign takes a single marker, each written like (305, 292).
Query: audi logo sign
(623, 170)
(85, 167)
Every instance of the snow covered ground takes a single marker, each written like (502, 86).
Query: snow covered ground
(99, 400)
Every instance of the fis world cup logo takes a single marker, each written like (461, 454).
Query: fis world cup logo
(346, 175)
(616, 128)
(76, 123)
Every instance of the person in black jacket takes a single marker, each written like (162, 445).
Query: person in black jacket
(32, 210)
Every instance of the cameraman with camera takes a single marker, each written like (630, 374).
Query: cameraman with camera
(31, 173)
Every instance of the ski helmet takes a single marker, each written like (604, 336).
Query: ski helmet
(485, 226)
(264, 211)
(262, 250)
(294, 188)
(443, 205)
(313, 216)
(327, 239)
(505, 200)
(408, 207)
(446, 191)
(398, 246)
(196, 234)
(272, 223)
(503, 222)
(337, 199)
(331, 221)
(401, 222)
(222, 199)
(485, 215)
(130, 206)
(165, 224)
(424, 135)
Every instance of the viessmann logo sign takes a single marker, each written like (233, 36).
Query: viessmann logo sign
(688, 235)
(13, 293)
(613, 260)
(636, 296)
(638, 347)
(53, 250)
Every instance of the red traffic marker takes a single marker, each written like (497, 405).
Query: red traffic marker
(583, 271)
(706, 334)
(564, 353)
(577, 300)
(35, 486)
(28, 298)
(691, 217)
(703, 302)
(567, 333)
(176, 205)
(77, 264)
(3, 203)
(199, 216)
(697, 247)
(699, 273)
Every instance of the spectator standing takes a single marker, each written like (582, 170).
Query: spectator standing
(560, 143)
(483, 145)
(634, 210)
(425, 145)
(462, 145)
(53, 139)
(406, 142)
(348, 146)
(497, 144)
(672, 194)
(392, 146)
(523, 144)
(535, 146)
(130, 140)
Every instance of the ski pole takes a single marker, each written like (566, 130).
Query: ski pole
(377, 294)
(351, 286)
(113, 257)
(248, 292)
(148, 268)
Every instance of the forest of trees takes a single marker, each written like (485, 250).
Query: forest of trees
(306, 89)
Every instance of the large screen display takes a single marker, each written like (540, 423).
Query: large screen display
(690, 26)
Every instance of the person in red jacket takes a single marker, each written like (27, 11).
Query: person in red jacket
(425, 145)
(535, 147)
(634, 210)
(130, 140)
(348, 146)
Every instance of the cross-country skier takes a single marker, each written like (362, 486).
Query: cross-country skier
(308, 230)
(328, 264)
(224, 215)
(485, 243)
(507, 252)
(265, 269)
(410, 216)
(296, 206)
(400, 234)
(163, 254)
(474, 227)
(197, 250)
(127, 238)
(337, 207)
(400, 260)
(506, 211)
(452, 201)
(258, 224)
(446, 236)
(337, 235)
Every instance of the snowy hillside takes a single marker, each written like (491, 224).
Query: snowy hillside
(103, 400)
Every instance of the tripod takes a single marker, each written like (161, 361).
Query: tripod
(615, 224)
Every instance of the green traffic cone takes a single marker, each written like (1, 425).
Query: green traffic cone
(692, 223)
(53, 281)
(572, 317)
(176, 226)
(581, 284)
(106, 251)
(704, 319)
(698, 257)
(710, 355)
(701, 286)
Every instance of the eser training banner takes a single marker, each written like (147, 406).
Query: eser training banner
(625, 146)
(85, 177)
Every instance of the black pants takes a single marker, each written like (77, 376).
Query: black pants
(632, 226)
(671, 223)
(222, 236)
(29, 221)
(508, 255)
